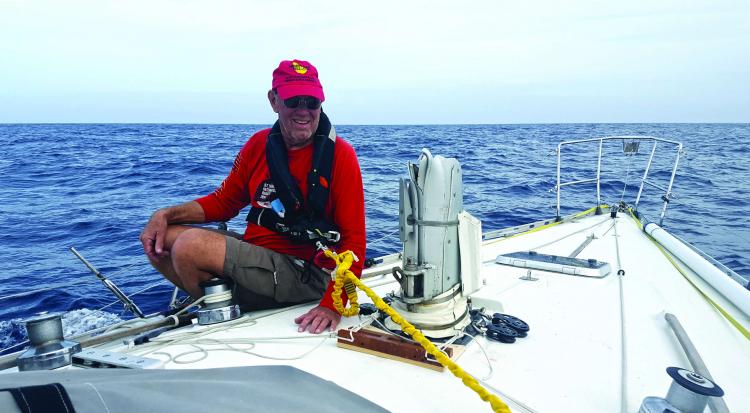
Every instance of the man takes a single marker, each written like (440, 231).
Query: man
(304, 184)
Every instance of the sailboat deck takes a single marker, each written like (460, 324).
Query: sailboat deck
(596, 344)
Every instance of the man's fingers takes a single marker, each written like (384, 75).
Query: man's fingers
(304, 322)
(318, 320)
(314, 326)
(334, 323)
(159, 243)
(323, 325)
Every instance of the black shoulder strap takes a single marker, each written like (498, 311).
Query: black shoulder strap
(278, 165)
(302, 219)
(319, 178)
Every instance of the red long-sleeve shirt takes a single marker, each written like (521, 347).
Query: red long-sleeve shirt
(249, 181)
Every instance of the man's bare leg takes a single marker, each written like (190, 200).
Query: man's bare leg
(195, 255)
(164, 264)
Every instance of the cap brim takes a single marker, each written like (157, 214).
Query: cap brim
(290, 91)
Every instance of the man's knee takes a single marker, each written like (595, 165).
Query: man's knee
(205, 249)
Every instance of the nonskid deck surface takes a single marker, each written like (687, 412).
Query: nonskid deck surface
(596, 344)
(594, 340)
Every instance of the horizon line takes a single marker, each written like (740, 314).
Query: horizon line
(384, 124)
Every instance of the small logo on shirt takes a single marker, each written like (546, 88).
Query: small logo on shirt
(265, 193)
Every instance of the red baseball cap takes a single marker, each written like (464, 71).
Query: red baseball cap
(297, 78)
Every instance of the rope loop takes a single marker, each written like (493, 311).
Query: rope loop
(344, 274)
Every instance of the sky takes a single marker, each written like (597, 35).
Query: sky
(380, 62)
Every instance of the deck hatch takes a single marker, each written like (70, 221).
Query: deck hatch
(555, 263)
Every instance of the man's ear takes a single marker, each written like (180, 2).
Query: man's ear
(273, 99)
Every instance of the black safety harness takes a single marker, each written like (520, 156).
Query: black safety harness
(301, 220)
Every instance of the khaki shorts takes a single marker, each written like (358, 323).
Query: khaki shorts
(267, 279)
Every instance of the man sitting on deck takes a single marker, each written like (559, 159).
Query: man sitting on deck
(301, 190)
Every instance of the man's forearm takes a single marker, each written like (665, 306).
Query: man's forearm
(187, 213)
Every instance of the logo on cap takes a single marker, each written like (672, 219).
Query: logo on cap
(299, 68)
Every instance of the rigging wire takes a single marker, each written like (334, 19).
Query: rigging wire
(39, 290)
(14, 346)
(100, 309)
(383, 238)
(627, 176)
(64, 284)
(156, 284)
(559, 239)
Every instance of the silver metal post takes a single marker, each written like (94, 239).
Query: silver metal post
(645, 175)
(126, 301)
(669, 187)
(716, 404)
(598, 177)
(559, 151)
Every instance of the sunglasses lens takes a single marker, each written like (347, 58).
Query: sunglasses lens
(293, 102)
(313, 103)
(308, 102)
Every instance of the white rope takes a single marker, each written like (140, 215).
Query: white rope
(251, 342)
(473, 339)
(623, 342)
(505, 396)
(196, 338)
(218, 297)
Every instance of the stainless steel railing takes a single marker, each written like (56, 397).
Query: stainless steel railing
(631, 145)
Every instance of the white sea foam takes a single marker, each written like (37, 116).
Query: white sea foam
(80, 321)
(74, 322)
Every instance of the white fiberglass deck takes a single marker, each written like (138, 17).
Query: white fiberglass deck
(595, 345)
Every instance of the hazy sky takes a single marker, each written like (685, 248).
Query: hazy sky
(381, 62)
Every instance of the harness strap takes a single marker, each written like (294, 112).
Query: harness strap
(319, 178)
(302, 220)
(278, 166)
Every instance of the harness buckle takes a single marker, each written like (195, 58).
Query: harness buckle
(332, 236)
(328, 237)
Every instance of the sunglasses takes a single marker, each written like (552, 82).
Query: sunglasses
(302, 102)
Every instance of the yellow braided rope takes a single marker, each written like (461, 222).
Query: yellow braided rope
(343, 273)
(343, 263)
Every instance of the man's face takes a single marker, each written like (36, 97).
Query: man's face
(297, 124)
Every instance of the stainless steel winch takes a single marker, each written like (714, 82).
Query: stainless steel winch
(218, 306)
(688, 393)
(49, 349)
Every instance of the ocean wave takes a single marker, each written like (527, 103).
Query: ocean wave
(94, 187)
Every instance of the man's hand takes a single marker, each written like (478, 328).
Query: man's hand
(153, 236)
(318, 319)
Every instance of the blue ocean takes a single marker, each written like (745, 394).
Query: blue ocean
(94, 186)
